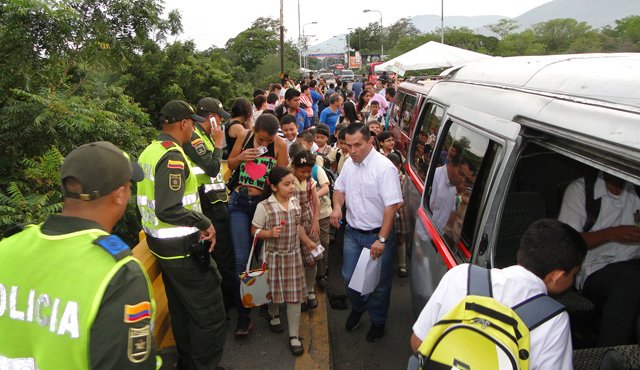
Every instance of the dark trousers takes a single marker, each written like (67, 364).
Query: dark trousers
(195, 304)
(223, 250)
(616, 292)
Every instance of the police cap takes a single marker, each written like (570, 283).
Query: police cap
(176, 111)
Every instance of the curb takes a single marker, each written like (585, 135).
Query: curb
(314, 328)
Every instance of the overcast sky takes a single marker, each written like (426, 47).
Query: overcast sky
(213, 22)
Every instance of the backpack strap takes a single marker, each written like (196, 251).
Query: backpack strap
(592, 206)
(314, 172)
(479, 281)
(537, 310)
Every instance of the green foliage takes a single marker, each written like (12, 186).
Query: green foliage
(558, 35)
(250, 46)
(504, 27)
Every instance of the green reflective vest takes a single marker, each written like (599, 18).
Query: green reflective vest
(146, 194)
(209, 184)
(46, 311)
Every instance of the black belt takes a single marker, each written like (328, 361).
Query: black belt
(372, 231)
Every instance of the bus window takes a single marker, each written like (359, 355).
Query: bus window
(424, 138)
(405, 114)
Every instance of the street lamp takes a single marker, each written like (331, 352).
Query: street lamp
(303, 44)
(381, 29)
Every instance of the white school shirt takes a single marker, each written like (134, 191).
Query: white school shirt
(443, 197)
(614, 211)
(550, 345)
(369, 187)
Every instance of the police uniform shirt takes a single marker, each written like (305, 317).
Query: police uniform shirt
(169, 185)
(550, 346)
(614, 211)
(110, 337)
(208, 161)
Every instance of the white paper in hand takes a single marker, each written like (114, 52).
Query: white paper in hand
(366, 276)
(317, 251)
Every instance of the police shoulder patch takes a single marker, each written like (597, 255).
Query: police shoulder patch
(117, 248)
(198, 145)
(139, 344)
(168, 144)
(175, 181)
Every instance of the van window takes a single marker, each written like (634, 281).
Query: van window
(454, 193)
(424, 138)
(396, 107)
(405, 114)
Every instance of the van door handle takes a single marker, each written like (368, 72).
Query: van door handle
(484, 243)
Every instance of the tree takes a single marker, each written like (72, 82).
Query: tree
(401, 28)
(504, 27)
(250, 46)
(558, 34)
(625, 37)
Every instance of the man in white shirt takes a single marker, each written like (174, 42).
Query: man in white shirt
(611, 271)
(370, 186)
(443, 193)
(549, 257)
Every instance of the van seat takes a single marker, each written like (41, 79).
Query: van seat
(575, 302)
(521, 209)
(627, 357)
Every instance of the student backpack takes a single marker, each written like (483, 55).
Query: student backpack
(481, 333)
(330, 175)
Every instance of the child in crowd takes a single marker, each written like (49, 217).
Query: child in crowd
(338, 157)
(289, 128)
(388, 144)
(374, 113)
(321, 139)
(376, 129)
(277, 221)
(401, 247)
(305, 190)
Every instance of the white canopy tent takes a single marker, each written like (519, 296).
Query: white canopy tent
(430, 55)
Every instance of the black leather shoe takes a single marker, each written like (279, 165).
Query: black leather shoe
(353, 321)
(296, 349)
(375, 333)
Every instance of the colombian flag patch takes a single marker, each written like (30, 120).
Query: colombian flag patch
(197, 141)
(137, 312)
(175, 165)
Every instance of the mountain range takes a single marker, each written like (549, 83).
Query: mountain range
(597, 13)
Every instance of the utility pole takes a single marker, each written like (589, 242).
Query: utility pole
(282, 37)
(299, 35)
(442, 21)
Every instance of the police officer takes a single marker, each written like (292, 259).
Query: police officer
(176, 231)
(205, 155)
(71, 295)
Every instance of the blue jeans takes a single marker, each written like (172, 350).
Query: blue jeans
(377, 302)
(241, 210)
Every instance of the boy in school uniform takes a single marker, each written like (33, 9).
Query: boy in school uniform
(549, 257)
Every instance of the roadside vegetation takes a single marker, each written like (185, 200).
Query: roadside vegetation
(76, 71)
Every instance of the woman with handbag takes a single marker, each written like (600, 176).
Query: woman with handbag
(255, 153)
(277, 221)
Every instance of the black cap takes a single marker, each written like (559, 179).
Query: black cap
(100, 168)
(211, 105)
(177, 110)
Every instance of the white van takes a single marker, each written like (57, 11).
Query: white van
(527, 126)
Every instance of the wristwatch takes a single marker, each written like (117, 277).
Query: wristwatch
(382, 239)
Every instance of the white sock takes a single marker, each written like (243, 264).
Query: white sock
(293, 317)
(310, 277)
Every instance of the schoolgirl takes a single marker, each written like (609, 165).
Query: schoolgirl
(277, 222)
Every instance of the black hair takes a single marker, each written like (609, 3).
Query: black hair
(287, 119)
(391, 91)
(291, 93)
(258, 100)
(332, 85)
(313, 83)
(295, 148)
(274, 86)
(272, 98)
(549, 245)
(384, 135)
(334, 98)
(323, 125)
(322, 131)
(267, 123)
(303, 159)
(374, 102)
(350, 113)
(303, 88)
(257, 92)
(342, 134)
(275, 176)
(394, 158)
(241, 108)
(354, 128)
(306, 136)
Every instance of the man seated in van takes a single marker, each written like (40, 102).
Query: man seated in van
(444, 189)
(549, 256)
(610, 275)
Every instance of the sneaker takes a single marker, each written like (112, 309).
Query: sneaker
(402, 272)
(353, 321)
(244, 327)
(275, 325)
(295, 344)
(375, 333)
(312, 302)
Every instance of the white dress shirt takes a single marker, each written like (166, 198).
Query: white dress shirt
(550, 345)
(615, 210)
(369, 187)
(443, 197)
